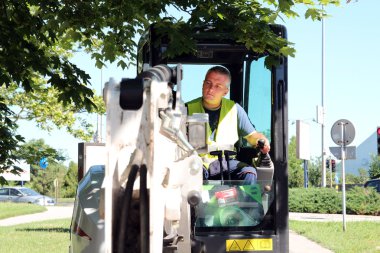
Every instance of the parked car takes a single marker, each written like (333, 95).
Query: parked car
(375, 183)
(87, 228)
(24, 195)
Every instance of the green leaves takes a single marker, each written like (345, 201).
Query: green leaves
(314, 14)
(37, 39)
(294, 166)
(34, 150)
(289, 51)
(9, 141)
(43, 106)
(374, 167)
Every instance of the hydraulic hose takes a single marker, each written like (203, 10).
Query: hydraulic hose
(144, 210)
(126, 205)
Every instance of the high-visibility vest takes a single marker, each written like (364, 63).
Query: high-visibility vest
(227, 131)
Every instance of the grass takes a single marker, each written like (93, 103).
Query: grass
(359, 237)
(9, 209)
(65, 201)
(53, 236)
(37, 237)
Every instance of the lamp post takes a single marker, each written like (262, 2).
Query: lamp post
(323, 106)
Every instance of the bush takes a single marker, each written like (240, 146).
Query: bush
(363, 201)
(314, 200)
(326, 200)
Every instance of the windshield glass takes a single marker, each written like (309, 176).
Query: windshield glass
(29, 192)
(232, 204)
(258, 96)
(229, 204)
(193, 80)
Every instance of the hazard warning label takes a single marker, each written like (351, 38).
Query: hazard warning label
(249, 245)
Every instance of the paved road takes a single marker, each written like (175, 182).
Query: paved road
(297, 243)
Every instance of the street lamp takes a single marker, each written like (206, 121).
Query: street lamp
(323, 105)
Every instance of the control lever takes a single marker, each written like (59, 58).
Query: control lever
(263, 160)
(261, 143)
(227, 155)
(219, 153)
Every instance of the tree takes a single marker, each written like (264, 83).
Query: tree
(70, 182)
(314, 169)
(36, 36)
(296, 175)
(374, 167)
(9, 141)
(42, 179)
(361, 179)
(34, 150)
(42, 106)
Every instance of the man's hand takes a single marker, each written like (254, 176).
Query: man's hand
(254, 139)
(263, 145)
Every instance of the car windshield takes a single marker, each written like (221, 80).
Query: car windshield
(29, 192)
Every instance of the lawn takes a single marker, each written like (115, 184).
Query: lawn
(37, 237)
(359, 237)
(9, 209)
(53, 236)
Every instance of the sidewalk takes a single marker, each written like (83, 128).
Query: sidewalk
(298, 243)
(320, 217)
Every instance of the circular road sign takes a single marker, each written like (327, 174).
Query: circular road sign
(43, 163)
(348, 129)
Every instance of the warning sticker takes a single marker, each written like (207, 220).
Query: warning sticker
(249, 245)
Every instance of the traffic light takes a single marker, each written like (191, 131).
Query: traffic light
(378, 140)
(327, 163)
(333, 165)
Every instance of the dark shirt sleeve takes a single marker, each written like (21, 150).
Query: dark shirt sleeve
(245, 126)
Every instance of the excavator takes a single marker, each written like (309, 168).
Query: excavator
(153, 197)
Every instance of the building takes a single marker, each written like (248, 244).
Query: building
(364, 152)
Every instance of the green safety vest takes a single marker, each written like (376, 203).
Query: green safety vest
(227, 130)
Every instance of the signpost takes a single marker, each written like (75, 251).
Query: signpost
(342, 133)
(56, 189)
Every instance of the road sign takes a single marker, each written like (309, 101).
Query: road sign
(343, 130)
(43, 163)
(343, 133)
(350, 152)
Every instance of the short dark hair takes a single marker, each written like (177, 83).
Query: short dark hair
(221, 70)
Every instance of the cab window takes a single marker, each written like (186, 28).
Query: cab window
(259, 97)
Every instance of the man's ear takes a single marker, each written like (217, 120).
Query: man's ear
(226, 92)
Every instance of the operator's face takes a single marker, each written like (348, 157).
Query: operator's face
(214, 88)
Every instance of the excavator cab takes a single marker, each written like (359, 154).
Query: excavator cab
(233, 217)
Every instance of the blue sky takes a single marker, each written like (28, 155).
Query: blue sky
(352, 62)
(352, 40)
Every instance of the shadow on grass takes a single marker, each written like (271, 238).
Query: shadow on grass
(57, 230)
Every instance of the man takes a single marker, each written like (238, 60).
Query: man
(227, 122)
